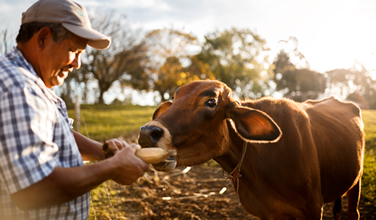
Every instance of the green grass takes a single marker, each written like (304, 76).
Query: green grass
(102, 122)
(369, 175)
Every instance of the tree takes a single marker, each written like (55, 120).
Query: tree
(125, 66)
(236, 57)
(282, 63)
(355, 80)
(295, 57)
(292, 75)
(365, 84)
(301, 84)
(198, 69)
(339, 79)
(167, 48)
(345, 81)
(5, 44)
(170, 74)
(123, 61)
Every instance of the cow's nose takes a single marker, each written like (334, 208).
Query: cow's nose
(149, 136)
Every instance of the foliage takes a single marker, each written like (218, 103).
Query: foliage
(356, 79)
(341, 79)
(237, 58)
(289, 47)
(166, 48)
(123, 61)
(292, 74)
(197, 70)
(301, 84)
(282, 63)
(173, 74)
(167, 58)
(168, 76)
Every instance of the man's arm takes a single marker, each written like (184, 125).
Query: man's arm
(65, 184)
(90, 150)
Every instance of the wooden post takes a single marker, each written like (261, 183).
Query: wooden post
(77, 118)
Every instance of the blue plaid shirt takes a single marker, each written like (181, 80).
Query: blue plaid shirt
(35, 137)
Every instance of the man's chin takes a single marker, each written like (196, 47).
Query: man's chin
(57, 81)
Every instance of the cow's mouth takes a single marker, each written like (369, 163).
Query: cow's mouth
(168, 165)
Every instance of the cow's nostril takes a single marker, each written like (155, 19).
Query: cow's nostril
(150, 135)
(156, 133)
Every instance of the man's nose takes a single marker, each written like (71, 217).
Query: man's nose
(77, 61)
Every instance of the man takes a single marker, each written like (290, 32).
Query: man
(42, 175)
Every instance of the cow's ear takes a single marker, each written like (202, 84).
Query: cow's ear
(254, 125)
(161, 108)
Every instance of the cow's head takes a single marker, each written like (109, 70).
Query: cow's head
(195, 124)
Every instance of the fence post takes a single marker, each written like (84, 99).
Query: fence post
(77, 118)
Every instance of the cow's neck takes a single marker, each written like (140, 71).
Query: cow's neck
(235, 174)
(236, 171)
(232, 160)
(234, 145)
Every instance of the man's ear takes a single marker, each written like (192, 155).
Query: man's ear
(42, 35)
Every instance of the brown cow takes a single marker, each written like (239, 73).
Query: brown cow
(297, 156)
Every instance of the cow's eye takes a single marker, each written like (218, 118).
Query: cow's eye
(211, 103)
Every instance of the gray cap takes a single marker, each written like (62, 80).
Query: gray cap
(71, 15)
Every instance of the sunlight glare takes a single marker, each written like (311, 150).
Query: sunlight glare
(345, 36)
(373, 74)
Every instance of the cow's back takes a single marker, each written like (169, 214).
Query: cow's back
(326, 137)
(337, 131)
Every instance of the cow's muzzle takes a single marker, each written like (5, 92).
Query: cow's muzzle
(149, 136)
(154, 134)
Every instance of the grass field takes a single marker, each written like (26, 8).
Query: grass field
(369, 175)
(102, 122)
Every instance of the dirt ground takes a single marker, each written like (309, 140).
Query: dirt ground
(197, 193)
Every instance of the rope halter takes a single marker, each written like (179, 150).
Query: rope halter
(235, 173)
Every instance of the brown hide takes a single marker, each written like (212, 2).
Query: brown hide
(299, 155)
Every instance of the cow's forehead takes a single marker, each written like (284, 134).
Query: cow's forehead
(201, 89)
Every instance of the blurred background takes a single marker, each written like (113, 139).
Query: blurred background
(297, 49)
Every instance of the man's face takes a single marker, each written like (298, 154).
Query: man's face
(60, 58)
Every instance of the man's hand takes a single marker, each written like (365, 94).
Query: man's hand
(111, 147)
(129, 166)
(65, 184)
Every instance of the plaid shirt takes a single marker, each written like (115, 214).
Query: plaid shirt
(35, 137)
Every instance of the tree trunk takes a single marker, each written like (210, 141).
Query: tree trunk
(100, 98)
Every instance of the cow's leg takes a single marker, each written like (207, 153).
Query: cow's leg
(313, 215)
(314, 210)
(353, 197)
(337, 208)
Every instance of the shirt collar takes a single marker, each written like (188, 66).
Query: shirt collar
(18, 58)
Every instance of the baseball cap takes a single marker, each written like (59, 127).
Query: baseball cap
(71, 15)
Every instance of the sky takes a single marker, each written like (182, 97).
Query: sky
(331, 33)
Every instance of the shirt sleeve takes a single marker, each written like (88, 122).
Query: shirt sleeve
(27, 150)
